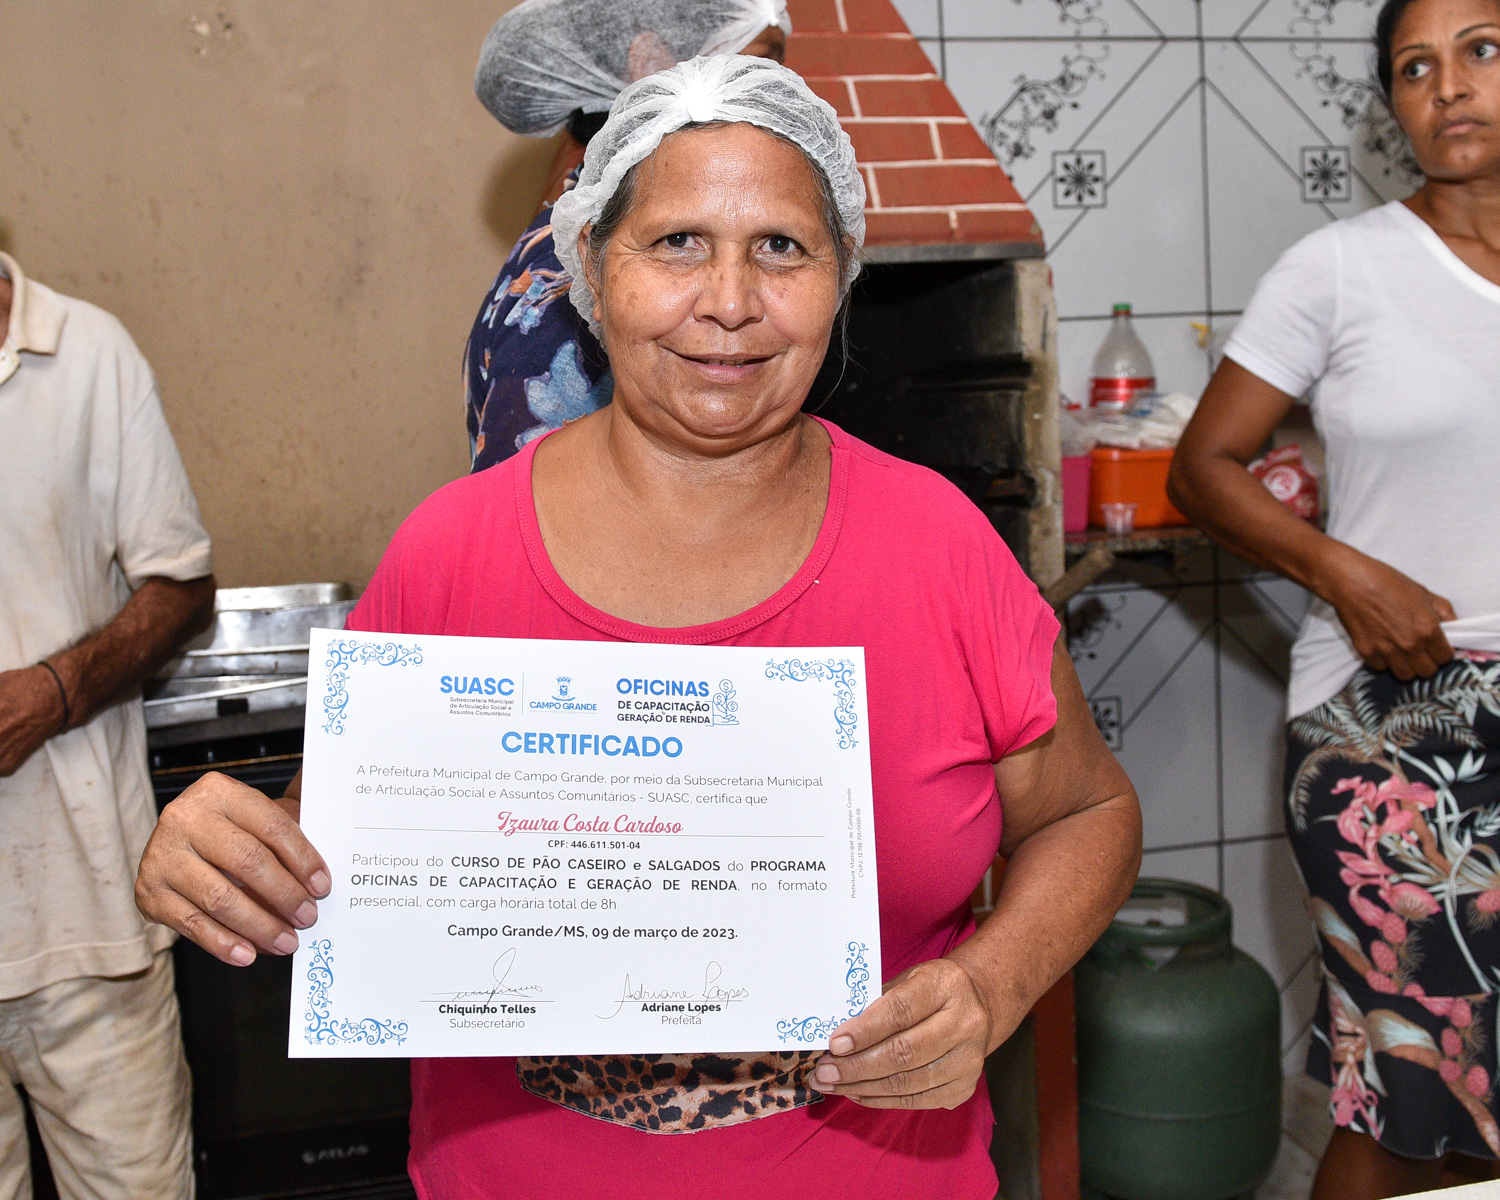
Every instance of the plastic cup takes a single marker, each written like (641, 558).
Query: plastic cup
(1119, 519)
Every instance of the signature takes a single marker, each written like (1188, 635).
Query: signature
(711, 989)
(633, 993)
(502, 986)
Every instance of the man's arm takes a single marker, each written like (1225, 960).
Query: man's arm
(161, 615)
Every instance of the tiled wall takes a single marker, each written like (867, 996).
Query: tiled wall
(1184, 661)
(1170, 149)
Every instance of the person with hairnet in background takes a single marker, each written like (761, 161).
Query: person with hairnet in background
(531, 362)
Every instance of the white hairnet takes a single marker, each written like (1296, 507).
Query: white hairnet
(545, 58)
(730, 88)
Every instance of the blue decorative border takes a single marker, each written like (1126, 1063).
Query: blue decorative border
(806, 1029)
(857, 977)
(839, 672)
(725, 705)
(819, 1029)
(344, 653)
(325, 1030)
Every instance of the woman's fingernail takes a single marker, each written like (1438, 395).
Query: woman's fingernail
(320, 883)
(286, 941)
(827, 1073)
(242, 956)
(842, 1044)
(307, 913)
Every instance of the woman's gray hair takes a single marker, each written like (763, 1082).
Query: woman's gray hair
(707, 91)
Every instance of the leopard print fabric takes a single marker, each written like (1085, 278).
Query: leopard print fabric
(673, 1093)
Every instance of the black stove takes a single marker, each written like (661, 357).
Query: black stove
(264, 1125)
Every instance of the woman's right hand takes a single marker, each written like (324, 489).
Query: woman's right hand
(228, 868)
(1393, 621)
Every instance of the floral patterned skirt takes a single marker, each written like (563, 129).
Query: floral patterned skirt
(1393, 798)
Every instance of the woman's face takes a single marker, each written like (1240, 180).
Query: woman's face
(718, 291)
(1445, 86)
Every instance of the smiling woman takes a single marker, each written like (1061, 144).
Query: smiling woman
(713, 236)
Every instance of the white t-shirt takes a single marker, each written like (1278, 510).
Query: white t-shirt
(93, 501)
(1397, 344)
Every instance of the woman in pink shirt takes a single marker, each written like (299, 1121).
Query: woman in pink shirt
(712, 237)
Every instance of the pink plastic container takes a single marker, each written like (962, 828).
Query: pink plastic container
(1075, 492)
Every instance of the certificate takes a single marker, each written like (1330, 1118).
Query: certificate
(548, 847)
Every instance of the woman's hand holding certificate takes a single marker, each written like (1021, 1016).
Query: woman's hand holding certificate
(584, 847)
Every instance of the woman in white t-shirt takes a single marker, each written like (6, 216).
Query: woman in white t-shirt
(1390, 323)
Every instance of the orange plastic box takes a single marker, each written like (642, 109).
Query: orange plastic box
(1136, 477)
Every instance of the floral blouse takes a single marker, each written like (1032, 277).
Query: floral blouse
(531, 362)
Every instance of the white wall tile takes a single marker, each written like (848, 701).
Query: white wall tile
(1203, 160)
(1328, 83)
(1171, 18)
(1287, 600)
(1225, 18)
(1148, 239)
(1149, 656)
(1254, 645)
(921, 17)
(1270, 913)
(1299, 998)
(1253, 704)
(1294, 1060)
(1255, 205)
(1045, 18)
(1196, 864)
(1311, 19)
(1030, 98)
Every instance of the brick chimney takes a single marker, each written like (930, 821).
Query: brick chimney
(935, 189)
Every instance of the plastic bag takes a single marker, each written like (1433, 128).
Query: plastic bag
(1153, 422)
(1287, 478)
(1077, 434)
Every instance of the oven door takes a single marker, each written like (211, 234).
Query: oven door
(265, 1125)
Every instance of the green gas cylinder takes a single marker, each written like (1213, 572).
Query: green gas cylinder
(1179, 1053)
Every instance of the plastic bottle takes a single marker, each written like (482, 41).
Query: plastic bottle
(1122, 367)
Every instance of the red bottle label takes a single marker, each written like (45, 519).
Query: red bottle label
(1116, 394)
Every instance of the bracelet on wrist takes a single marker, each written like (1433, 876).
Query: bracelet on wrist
(62, 693)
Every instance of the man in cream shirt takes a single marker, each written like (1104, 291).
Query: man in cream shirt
(104, 570)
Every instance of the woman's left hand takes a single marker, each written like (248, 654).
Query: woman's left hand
(920, 1045)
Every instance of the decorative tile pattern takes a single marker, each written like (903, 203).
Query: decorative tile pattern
(1325, 174)
(1184, 664)
(1151, 652)
(1220, 132)
(1078, 179)
(1108, 715)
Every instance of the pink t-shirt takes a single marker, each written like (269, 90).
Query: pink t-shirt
(958, 652)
